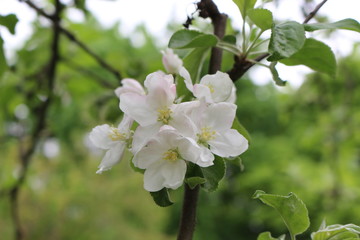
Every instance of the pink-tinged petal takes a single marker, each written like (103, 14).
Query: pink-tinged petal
(219, 116)
(202, 91)
(153, 179)
(137, 107)
(158, 79)
(173, 173)
(229, 143)
(220, 84)
(142, 135)
(206, 158)
(99, 136)
(171, 61)
(160, 98)
(130, 85)
(183, 124)
(112, 157)
(149, 154)
(187, 79)
(188, 149)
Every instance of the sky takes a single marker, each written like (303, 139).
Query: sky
(156, 14)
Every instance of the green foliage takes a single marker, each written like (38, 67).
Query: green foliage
(347, 24)
(191, 39)
(267, 236)
(262, 18)
(316, 55)
(3, 64)
(244, 6)
(214, 174)
(286, 39)
(9, 21)
(275, 75)
(337, 232)
(162, 198)
(195, 181)
(241, 129)
(193, 62)
(292, 210)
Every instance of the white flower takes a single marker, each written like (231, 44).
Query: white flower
(129, 85)
(163, 159)
(113, 140)
(214, 88)
(171, 61)
(213, 123)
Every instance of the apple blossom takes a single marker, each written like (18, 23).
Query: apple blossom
(112, 139)
(171, 61)
(163, 159)
(129, 85)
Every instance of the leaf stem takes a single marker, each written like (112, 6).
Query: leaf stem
(253, 43)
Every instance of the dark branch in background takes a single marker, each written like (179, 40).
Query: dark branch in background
(207, 8)
(41, 114)
(75, 40)
(242, 65)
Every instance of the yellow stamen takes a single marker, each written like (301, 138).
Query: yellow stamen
(164, 115)
(116, 135)
(206, 135)
(171, 155)
(211, 87)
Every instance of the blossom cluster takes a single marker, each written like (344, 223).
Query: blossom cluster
(170, 133)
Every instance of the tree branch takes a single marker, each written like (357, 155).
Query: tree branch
(75, 40)
(242, 65)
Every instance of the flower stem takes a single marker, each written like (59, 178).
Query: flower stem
(188, 215)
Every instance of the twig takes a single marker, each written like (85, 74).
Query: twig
(75, 40)
(26, 154)
(241, 65)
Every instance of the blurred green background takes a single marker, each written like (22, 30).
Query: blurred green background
(304, 140)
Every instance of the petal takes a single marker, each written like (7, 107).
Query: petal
(142, 135)
(137, 107)
(187, 79)
(149, 154)
(99, 136)
(229, 143)
(130, 85)
(173, 173)
(183, 124)
(189, 150)
(220, 83)
(206, 158)
(203, 91)
(171, 61)
(112, 157)
(219, 116)
(153, 179)
(160, 98)
(158, 79)
(125, 124)
(232, 97)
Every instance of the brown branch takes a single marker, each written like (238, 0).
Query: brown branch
(241, 65)
(75, 40)
(41, 114)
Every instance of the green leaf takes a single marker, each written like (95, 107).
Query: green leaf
(241, 129)
(193, 62)
(229, 39)
(191, 39)
(9, 21)
(267, 236)
(162, 198)
(286, 39)
(3, 64)
(291, 208)
(262, 18)
(194, 181)
(244, 6)
(316, 55)
(275, 75)
(347, 24)
(214, 174)
(337, 232)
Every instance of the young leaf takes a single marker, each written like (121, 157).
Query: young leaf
(286, 39)
(191, 39)
(194, 181)
(316, 55)
(241, 129)
(291, 208)
(162, 198)
(347, 24)
(244, 6)
(9, 21)
(338, 232)
(275, 75)
(262, 18)
(214, 174)
(267, 236)
(3, 65)
(194, 60)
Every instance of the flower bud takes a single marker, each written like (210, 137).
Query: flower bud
(171, 61)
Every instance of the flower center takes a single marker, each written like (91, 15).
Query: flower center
(164, 115)
(116, 135)
(211, 87)
(206, 135)
(171, 155)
